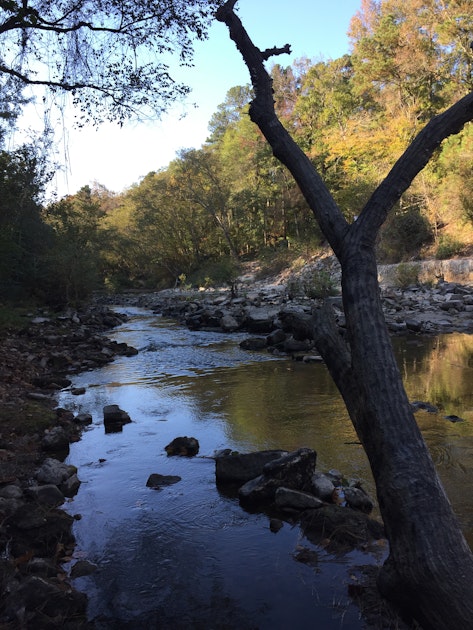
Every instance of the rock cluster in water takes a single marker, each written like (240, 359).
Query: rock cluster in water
(287, 484)
(281, 323)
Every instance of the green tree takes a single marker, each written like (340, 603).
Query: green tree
(23, 235)
(229, 112)
(429, 572)
(198, 180)
(73, 263)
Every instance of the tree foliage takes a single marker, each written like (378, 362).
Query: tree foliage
(111, 56)
(23, 235)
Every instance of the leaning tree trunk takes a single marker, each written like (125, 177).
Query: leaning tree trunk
(429, 572)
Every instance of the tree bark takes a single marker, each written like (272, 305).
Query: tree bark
(429, 572)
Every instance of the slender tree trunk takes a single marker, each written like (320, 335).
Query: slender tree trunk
(429, 572)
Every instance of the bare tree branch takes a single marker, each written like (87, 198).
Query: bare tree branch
(272, 52)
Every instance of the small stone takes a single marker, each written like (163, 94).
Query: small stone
(157, 481)
(83, 418)
(275, 524)
(83, 568)
(78, 391)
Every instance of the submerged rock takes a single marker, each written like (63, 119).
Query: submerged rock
(157, 481)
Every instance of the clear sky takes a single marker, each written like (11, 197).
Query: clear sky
(118, 158)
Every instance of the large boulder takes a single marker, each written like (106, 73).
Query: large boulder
(292, 470)
(285, 498)
(242, 467)
(260, 320)
(184, 446)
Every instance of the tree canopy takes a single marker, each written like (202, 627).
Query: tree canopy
(111, 56)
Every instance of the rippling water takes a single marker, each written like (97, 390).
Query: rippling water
(188, 556)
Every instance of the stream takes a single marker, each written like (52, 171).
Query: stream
(188, 556)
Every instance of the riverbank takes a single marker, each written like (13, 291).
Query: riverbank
(35, 534)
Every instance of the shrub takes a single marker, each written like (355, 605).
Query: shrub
(404, 234)
(319, 284)
(407, 274)
(447, 247)
(214, 273)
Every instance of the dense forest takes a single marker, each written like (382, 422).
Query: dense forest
(231, 200)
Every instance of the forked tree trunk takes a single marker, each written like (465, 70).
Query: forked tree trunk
(429, 572)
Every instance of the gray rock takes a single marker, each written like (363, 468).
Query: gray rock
(54, 471)
(55, 439)
(184, 446)
(157, 481)
(357, 499)
(8, 507)
(253, 343)
(229, 324)
(113, 413)
(242, 467)
(11, 492)
(83, 418)
(275, 524)
(78, 391)
(296, 500)
(276, 337)
(260, 319)
(322, 486)
(114, 418)
(296, 345)
(292, 471)
(296, 467)
(70, 486)
(259, 491)
(47, 494)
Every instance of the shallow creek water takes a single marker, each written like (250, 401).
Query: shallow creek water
(188, 556)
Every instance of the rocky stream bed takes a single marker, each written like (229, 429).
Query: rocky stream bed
(36, 534)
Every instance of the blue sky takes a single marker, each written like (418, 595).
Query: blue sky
(118, 158)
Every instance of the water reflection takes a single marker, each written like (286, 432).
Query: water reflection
(188, 556)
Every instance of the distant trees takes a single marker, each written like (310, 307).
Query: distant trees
(109, 59)
(352, 116)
